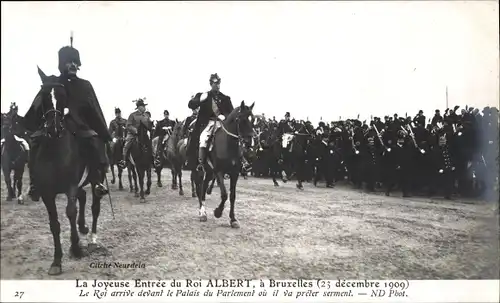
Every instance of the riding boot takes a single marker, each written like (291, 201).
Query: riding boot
(201, 158)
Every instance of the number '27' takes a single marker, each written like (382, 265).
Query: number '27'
(19, 294)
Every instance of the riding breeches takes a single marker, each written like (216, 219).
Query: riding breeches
(207, 133)
(129, 140)
(23, 142)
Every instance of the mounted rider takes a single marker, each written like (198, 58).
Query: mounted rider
(117, 124)
(163, 128)
(85, 118)
(133, 123)
(15, 123)
(214, 106)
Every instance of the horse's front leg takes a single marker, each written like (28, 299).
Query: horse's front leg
(120, 172)
(8, 182)
(96, 211)
(232, 198)
(82, 199)
(148, 182)
(223, 195)
(55, 228)
(141, 174)
(18, 181)
(113, 180)
(200, 180)
(71, 213)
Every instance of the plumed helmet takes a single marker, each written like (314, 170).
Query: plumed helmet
(214, 78)
(117, 110)
(13, 105)
(68, 54)
(165, 112)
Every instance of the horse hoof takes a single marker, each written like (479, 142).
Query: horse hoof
(120, 187)
(113, 181)
(147, 192)
(35, 198)
(83, 229)
(203, 218)
(217, 213)
(276, 185)
(131, 190)
(136, 195)
(181, 192)
(55, 270)
(193, 195)
(20, 200)
(143, 200)
(235, 224)
(159, 184)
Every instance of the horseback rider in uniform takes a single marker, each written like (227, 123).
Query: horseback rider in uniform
(133, 122)
(85, 119)
(213, 106)
(117, 123)
(161, 130)
(16, 124)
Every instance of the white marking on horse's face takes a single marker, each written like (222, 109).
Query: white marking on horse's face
(53, 95)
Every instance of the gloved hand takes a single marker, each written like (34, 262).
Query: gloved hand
(221, 117)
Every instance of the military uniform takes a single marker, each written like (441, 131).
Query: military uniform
(117, 126)
(84, 119)
(133, 122)
(161, 126)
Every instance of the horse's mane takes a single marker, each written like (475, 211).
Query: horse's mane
(232, 116)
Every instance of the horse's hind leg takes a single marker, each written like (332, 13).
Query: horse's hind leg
(82, 199)
(55, 228)
(148, 182)
(179, 174)
(232, 199)
(223, 195)
(211, 187)
(131, 185)
(71, 213)
(173, 171)
(158, 175)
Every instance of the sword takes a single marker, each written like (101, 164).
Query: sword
(110, 202)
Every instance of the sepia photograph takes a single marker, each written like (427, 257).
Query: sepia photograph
(276, 140)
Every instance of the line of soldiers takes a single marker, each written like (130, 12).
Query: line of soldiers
(454, 152)
(450, 149)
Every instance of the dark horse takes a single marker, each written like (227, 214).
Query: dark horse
(224, 158)
(294, 151)
(141, 159)
(59, 167)
(14, 158)
(116, 155)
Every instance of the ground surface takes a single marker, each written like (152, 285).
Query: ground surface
(317, 233)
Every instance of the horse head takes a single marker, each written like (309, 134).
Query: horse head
(240, 121)
(53, 100)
